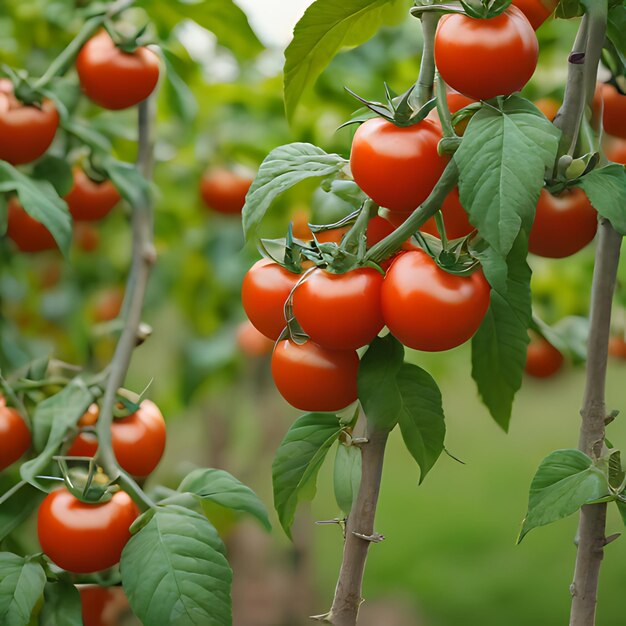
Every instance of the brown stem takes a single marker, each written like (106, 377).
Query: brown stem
(591, 530)
(360, 523)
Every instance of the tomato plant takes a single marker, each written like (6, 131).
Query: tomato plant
(14, 435)
(537, 11)
(614, 115)
(454, 218)
(90, 199)
(28, 234)
(543, 360)
(225, 190)
(102, 606)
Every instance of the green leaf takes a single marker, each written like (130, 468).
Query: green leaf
(22, 583)
(40, 201)
(298, 460)
(565, 481)
(499, 345)
(220, 487)
(621, 507)
(569, 336)
(133, 187)
(283, 168)
(4, 213)
(616, 27)
(61, 605)
(174, 571)
(56, 171)
(325, 28)
(568, 9)
(502, 161)
(421, 418)
(606, 190)
(180, 97)
(377, 385)
(87, 135)
(18, 507)
(347, 476)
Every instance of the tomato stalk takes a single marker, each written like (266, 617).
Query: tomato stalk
(425, 80)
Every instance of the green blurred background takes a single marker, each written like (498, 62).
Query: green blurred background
(450, 557)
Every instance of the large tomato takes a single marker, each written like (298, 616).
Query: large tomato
(89, 199)
(224, 190)
(84, 538)
(614, 117)
(115, 79)
(537, 11)
(14, 435)
(102, 606)
(542, 358)
(484, 58)
(312, 378)
(266, 287)
(26, 131)
(563, 225)
(138, 440)
(396, 166)
(340, 311)
(454, 218)
(252, 342)
(28, 234)
(429, 309)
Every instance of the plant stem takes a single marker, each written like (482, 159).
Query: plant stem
(424, 84)
(143, 259)
(347, 600)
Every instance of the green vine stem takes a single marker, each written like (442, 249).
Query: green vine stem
(424, 84)
(144, 257)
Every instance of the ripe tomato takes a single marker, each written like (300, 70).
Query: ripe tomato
(312, 378)
(89, 200)
(14, 435)
(225, 191)
(548, 106)
(396, 166)
(616, 151)
(252, 342)
(429, 309)
(102, 606)
(614, 117)
(454, 218)
(542, 358)
(115, 79)
(536, 11)
(26, 131)
(84, 538)
(28, 234)
(108, 304)
(484, 58)
(138, 440)
(300, 225)
(340, 311)
(86, 236)
(266, 287)
(563, 225)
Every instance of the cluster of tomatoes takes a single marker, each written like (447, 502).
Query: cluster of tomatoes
(111, 77)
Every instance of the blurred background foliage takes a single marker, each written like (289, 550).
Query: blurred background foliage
(450, 557)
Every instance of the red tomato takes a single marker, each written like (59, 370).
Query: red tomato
(225, 191)
(138, 440)
(536, 11)
(396, 166)
(266, 287)
(340, 311)
(614, 117)
(563, 225)
(484, 58)
(108, 304)
(90, 200)
(300, 225)
(14, 435)
(102, 606)
(334, 235)
(86, 236)
(28, 234)
(548, 106)
(84, 538)
(429, 309)
(542, 358)
(115, 79)
(454, 218)
(312, 378)
(26, 131)
(252, 342)
(616, 151)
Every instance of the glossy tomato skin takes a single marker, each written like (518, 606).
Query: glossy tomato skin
(84, 538)
(563, 224)
(138, 440)
(542, 359)
(14, 435)
(225, 191)
(340, 311)
(265, 289)
(28, 234)
(312, 378)
(429, 309)
(484, 58)
(397, 167)
(26, 131)
(252, 342)
(454, 217)
(536, 11)
(614, 116)
(102, 606)
(115, 79)
(89, 200)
